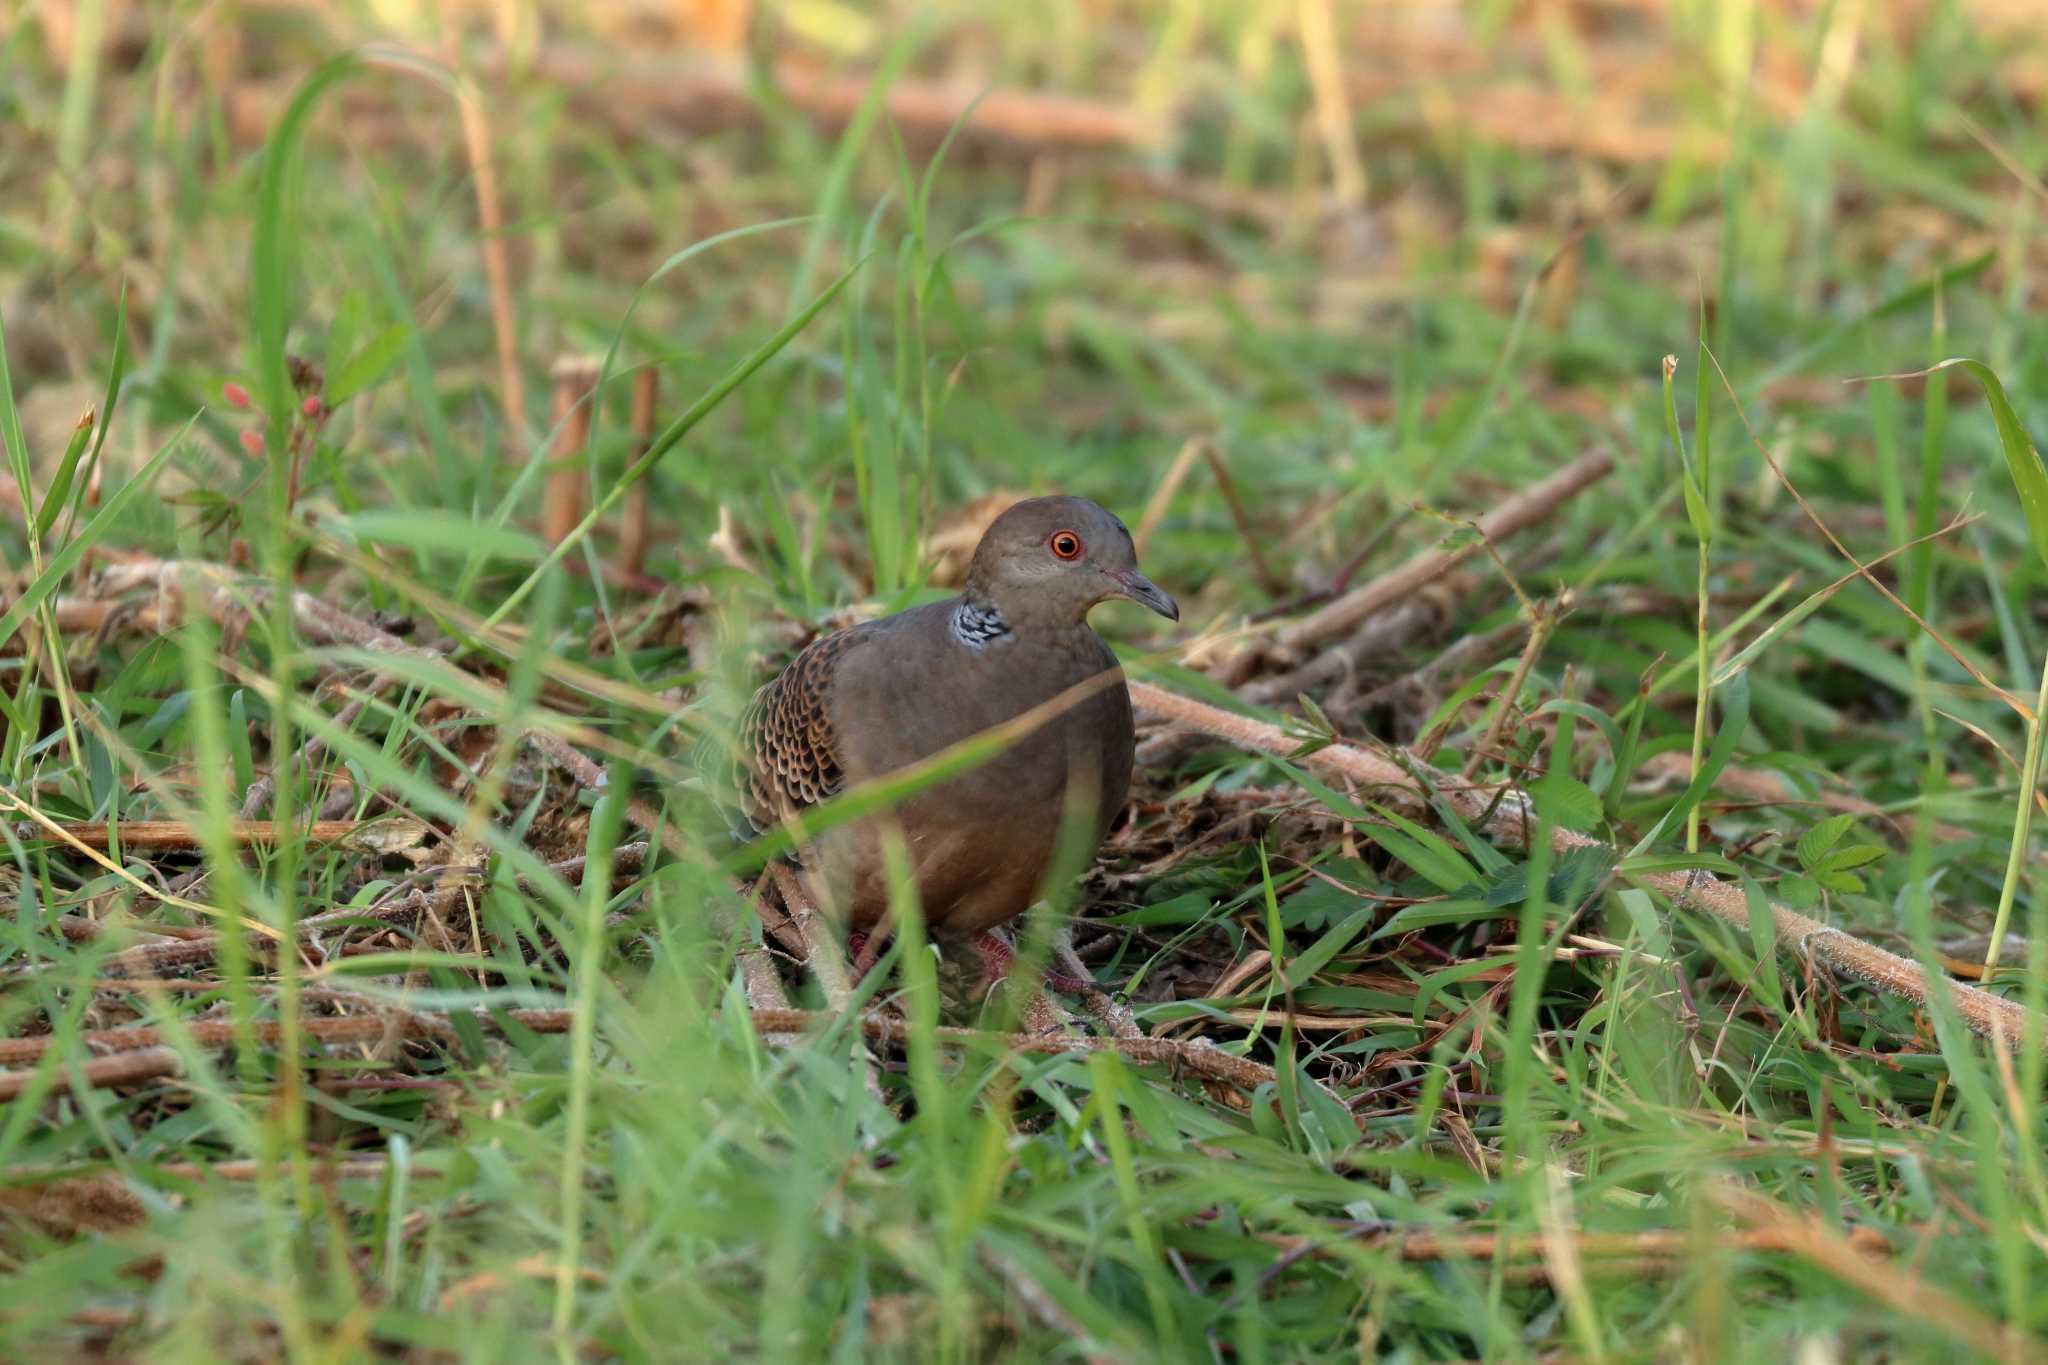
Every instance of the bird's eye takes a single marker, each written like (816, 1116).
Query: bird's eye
(1065, 544)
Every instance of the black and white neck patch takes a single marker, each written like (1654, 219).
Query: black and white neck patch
(978, 624)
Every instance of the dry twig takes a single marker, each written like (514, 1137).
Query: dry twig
(139, 1054)
(476, 139)
(1350, 611)
(633, 516)
(1509, 817)
(562, 502)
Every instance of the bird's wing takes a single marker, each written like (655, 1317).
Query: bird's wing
(787, 738)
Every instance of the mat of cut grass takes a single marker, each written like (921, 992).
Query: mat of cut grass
(377, 982)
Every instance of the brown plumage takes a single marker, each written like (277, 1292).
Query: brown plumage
(878, 697)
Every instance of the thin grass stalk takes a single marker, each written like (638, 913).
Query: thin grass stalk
(670, 435)
(1107, 1073)
(1702, 473)
(920, 1004)
(1699, 704)
(2022, 826)
(589, 967)
(230, 890)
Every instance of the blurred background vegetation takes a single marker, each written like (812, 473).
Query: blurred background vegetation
(1287, 283)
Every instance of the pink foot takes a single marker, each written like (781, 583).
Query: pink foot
(864, 949)
(997, 957)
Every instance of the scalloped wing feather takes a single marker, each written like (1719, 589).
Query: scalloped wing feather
(787, 736)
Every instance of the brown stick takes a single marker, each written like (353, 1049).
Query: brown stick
(172, 835)
(1269, 578)
(626, 96)
(1199, 1057)
(1522, 1246)
(1887, 972)
(142, 1055)
(1467, 654)
(633, 518)
(345, 1168)
(1322, 54)
(1518, 513)
(562, 503)
(1895, 1287)
(1162, 496)
(476, 138)
(146, 959)
(721, 93)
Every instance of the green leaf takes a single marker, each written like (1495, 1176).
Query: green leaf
(1734, 722)
(1763, 936)
(1702, 444)
(111, 511)
(1428, 853)
(1815, 843)
(1842, 859)
(1750, 652)
(1573, 874)
(1336, 939)
(439, 531)
(351, 317)
(1592, 715)
(60, 482)
(1428, 914)
(368, 366)
(11, 437)
(1625, 752)
(60, 485)
(272, 242)
(1799, 892)
(1649, 864)
(1695, 496)
(1564, 800)
(2022, 461)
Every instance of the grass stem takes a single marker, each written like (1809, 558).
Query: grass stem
(2022, 824)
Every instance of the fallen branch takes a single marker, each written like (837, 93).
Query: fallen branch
(1431, 1245)
(562, 497)
(627, 95)
(490, 221)
(633, 517)
(159, 836)
(1348, 612)
(1200, 1057)
(1895, 1287)
(1510, 818)
(139, 1054)
(402, 904)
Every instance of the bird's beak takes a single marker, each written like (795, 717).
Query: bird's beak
(1142, 590)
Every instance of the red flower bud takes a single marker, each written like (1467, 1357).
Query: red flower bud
(252, 441)
(313, 407)
(237, 396)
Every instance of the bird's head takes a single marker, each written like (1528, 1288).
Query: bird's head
(1051, 559)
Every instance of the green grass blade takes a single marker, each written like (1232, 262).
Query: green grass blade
(674, 432)
(108, 517)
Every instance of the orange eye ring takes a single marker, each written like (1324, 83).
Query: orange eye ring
(1065, 545)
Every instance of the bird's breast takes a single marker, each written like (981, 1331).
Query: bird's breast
(957, 695)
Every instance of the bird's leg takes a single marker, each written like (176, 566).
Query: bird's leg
(757, 969)
(821, 944)
(997, 957)
(1038, 1012)
(866, 946)
(1111, 1013)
